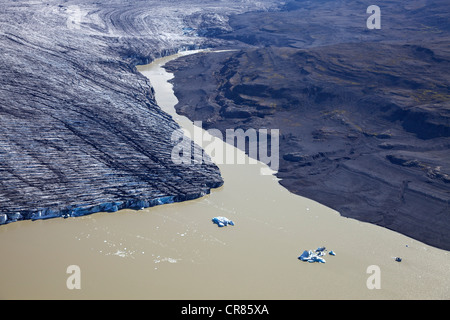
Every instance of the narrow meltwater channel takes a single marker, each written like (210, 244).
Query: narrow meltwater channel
(175, 251)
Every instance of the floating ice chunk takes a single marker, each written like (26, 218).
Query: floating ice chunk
(222, 221)
(305, 255)
(314, 256)
(311, 256)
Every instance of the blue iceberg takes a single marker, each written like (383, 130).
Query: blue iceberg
(311, 256)
(222, 221)
(315, 256)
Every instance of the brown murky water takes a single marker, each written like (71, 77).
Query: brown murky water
(175, 252)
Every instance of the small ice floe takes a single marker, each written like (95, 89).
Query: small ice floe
(311, 256)
(315, 256)
(222, 221)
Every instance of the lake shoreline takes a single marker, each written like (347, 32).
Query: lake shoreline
(382, 175)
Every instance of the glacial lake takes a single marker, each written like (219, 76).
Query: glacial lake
(174, 251)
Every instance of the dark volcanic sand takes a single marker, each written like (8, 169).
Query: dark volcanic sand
(363, 117)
